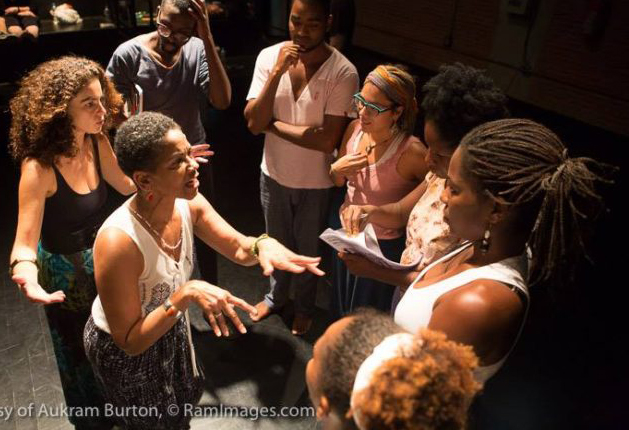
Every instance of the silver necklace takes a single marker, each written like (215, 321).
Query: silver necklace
(171, 248)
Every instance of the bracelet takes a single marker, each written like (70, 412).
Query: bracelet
(254, 251)
(171, 310)
(22, 260)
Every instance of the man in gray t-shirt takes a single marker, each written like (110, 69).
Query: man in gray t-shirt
(171, 66)
(175, 71)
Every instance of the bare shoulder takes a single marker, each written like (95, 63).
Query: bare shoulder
(416, 147)
(198, 205)
(33, 167)
(33, 172)
(114, 242)
(116, 248)
(353, 125)
(484, 301)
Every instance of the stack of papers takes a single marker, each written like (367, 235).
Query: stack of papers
(364, 244)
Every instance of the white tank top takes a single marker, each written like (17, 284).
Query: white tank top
(161, 275)
(416, 306)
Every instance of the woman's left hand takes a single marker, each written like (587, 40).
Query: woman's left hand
(200, 152)
(358, 265)
(199, 12)
(273, 255)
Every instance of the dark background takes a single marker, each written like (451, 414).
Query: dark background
(569, 369)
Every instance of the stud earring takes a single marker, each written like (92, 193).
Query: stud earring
(484, 245)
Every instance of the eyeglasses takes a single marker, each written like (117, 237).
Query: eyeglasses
(166, 32)
(371, 109)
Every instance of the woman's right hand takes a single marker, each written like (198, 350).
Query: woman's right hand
(349, 164)
(35, 293)
(354, 218)
(216, 304)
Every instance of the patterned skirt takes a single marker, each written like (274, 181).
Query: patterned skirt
(152, 390)
(74, 275)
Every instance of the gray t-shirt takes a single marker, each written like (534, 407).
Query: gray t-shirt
(175, 91)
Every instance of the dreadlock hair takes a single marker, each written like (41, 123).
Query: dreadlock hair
(459, 98)
(526, 166)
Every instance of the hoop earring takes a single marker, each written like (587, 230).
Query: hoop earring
(484, 244)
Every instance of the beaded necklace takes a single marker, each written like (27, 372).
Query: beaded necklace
(171, 248)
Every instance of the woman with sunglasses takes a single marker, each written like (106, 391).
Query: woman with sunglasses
(380, 161)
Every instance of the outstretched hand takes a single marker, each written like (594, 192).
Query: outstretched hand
(35, 293)
(200, 152)
(218, 303)
(273, 255)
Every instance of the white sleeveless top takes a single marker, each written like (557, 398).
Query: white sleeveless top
(161, 275)
(416, 306)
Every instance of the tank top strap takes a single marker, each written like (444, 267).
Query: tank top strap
(61, 182)
(354, 140)
(402, 142)
(449, 255)
(96, 154)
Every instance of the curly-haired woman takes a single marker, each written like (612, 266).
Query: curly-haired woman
(58, 117)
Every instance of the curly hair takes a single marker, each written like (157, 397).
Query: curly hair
(40, 125)
(138, 142)
(430, 389)
(554, 197)
(366, 329)
(459, 98)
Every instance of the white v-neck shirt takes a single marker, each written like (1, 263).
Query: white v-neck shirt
(329, 92)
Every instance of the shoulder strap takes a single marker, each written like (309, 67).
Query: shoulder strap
(96, 154)
(439, 260)
(354, 140)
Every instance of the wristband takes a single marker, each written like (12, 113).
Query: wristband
(18, 261)
(171, 310)
(255, 251)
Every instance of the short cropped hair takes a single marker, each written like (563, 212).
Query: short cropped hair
(139, 141)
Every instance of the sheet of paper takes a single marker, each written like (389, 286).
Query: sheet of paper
(364, 244)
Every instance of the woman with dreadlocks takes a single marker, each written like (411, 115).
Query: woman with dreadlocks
(510, 186)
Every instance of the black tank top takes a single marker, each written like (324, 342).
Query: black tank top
(71, 220)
